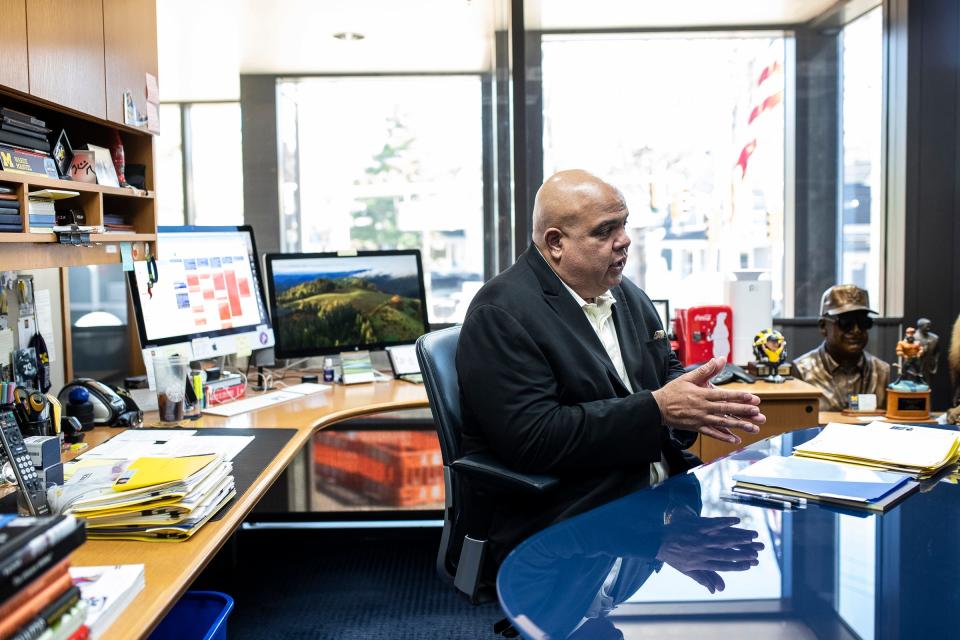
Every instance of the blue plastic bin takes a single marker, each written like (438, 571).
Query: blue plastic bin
(198, 615)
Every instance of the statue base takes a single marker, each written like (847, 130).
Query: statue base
(908, 405)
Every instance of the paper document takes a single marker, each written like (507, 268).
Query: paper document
(821, 478)
(307, 388)
(147, 444)
(249, 404)
(922, 450)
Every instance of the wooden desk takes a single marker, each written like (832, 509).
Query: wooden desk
(827, 417)
(170, 568)
(788, 406)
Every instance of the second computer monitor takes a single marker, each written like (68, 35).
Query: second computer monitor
(325, 303)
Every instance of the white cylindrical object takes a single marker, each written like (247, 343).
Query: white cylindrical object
(752, 304)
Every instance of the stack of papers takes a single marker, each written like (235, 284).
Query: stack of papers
(917, 451)
(150, 484)
(107, 591)
(819, 480)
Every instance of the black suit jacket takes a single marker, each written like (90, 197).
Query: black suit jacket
(539, 392)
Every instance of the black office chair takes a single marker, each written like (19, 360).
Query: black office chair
(472, 483)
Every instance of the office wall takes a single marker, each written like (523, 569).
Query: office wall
(932, 265)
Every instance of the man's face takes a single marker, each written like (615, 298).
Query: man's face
(593, 249)
(846, 334)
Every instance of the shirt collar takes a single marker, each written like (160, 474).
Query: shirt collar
(603, 302)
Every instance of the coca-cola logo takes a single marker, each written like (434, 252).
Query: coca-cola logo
(705, 317)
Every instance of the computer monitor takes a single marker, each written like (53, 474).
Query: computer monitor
(208, 298)
(326, 303)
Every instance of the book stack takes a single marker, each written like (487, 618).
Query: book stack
(106, 591)
(146, 498)
(116, 223)
(10, 220)
(43, 213)
(37, 595)
(23, 131)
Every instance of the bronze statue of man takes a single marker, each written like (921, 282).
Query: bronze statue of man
(841, 366)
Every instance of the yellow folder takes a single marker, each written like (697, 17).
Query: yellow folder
(149, 472)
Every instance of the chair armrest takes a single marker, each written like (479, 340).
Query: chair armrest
(494, 474)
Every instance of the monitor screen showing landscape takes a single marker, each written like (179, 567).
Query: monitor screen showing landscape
(324, 303)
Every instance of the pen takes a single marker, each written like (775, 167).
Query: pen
(794, 500)
(756, 500)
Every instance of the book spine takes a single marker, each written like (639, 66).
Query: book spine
(33, 607)
(26, 126)
(17, 537)
(24, 141)
(10, 204)
(20, 116)
(34, 588)
(14, 128)
(49, 615)
(10, 585)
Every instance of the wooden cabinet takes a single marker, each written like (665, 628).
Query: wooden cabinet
(65, 47)
(130, 52)
(74, 51)
(13, 35)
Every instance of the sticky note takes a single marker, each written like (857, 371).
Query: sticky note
(126, 256)
(243, 346)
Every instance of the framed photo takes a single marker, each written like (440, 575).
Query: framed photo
(103, 166)
(63, 154)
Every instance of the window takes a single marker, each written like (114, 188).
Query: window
(860, 222)
(200, 164)
(389, 162)
(691, 129)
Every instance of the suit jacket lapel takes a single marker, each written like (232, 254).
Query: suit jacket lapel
(572, 316)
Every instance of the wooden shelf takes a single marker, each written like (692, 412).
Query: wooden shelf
(43, 182)
(94, 237)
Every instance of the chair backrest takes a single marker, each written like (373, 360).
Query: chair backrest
(437, 352)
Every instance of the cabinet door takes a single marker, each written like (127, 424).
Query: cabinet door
(13, 35)
(130, 50)
(66, 53)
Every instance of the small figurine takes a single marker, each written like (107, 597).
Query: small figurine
(931, 350)
(770, 350)
(909, 352)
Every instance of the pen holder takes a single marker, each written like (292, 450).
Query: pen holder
(37, 428)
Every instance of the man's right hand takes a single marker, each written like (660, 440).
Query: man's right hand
(691, 403)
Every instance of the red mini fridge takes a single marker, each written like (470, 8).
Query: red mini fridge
(704, 333)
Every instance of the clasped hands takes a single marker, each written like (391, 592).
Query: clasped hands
(691, 403)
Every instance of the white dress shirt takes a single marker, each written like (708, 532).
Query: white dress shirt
(600, 316)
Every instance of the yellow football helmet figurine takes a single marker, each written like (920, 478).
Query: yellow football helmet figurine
(770, 346)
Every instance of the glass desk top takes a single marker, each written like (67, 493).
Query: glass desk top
(679, 561)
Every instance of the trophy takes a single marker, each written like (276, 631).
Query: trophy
(770, 351)
(908, 397)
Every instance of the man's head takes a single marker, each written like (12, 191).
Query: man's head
(923, 325)
(844, 321)
(579, 226)
(910, 334)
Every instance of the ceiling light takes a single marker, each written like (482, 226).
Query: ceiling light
(349, 36)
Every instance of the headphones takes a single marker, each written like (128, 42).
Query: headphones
(112, 406)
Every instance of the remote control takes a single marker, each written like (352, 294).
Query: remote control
(31, 486)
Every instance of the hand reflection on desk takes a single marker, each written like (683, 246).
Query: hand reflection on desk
(700, 548)
(614, 550)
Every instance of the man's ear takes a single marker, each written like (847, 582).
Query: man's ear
(553, 238)
(823, 327)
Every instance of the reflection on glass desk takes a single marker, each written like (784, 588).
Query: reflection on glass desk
(679, 561)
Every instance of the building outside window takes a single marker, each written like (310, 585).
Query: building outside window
(860, 220)
(387, 162)
(200, 164)
(691, 129)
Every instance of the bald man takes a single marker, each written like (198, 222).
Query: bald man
(565, 368)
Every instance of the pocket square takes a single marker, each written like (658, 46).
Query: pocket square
(659, 334)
